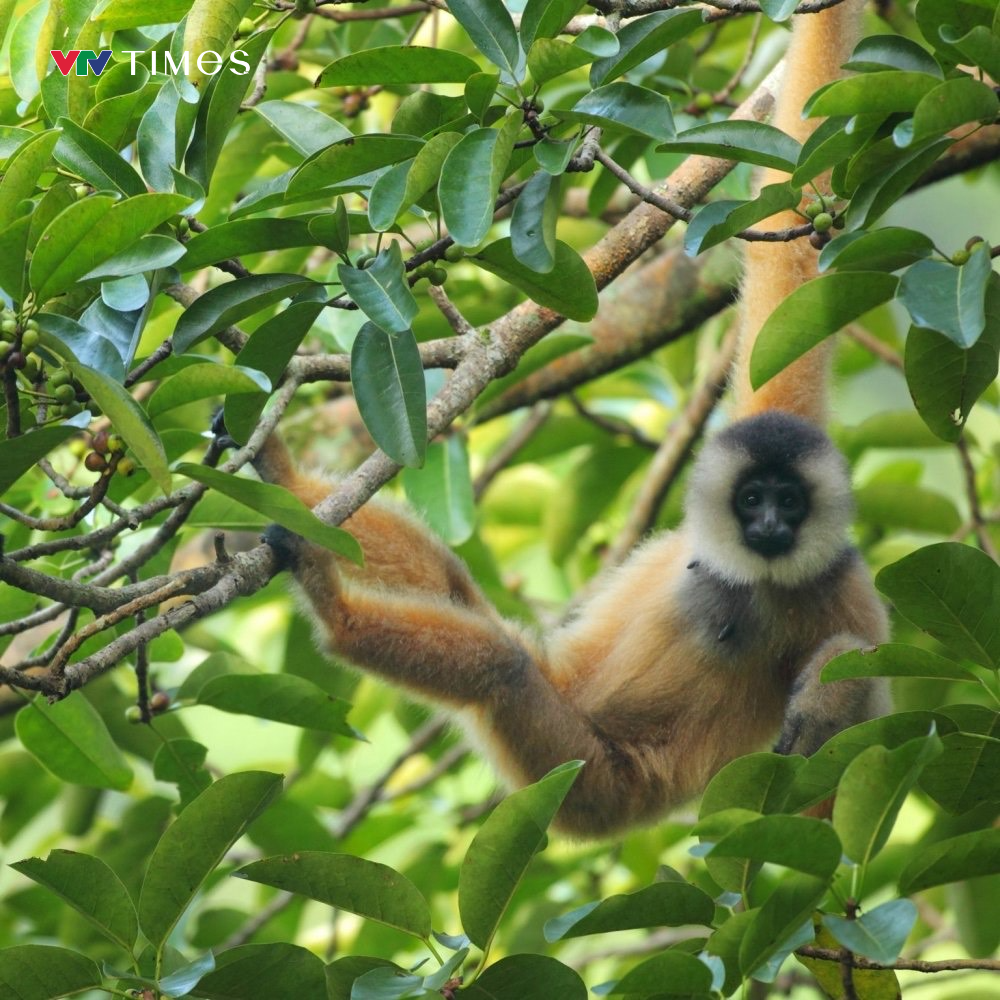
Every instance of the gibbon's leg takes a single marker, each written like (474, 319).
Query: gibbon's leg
(470, 659)
(817, 711)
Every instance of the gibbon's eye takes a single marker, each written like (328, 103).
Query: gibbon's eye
(750, 498)
(789, 499)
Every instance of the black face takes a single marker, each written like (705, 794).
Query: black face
(770, 506)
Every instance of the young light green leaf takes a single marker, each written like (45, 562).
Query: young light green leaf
(70, 738)
(397, 64)
(878, 934)
(44, 972)
(489, 25)
(195, 843)
(889, 92)
(503, 848)
(148, 253)
(574, 295)
(886, 249)
(952, 300)
(980, 46)
(545, 19)
(182, 762)
(280, 698)
(811, 313)
(442, 490)
(371, 890)
(92, 888)
(967, 856)
(119, 14)
(128, 419)
(834, 141)
(881, 52)
(951, 592)
(209, 28)
(745, 142)
(276, 504)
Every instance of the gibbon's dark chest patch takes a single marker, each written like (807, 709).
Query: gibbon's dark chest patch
(740, 620)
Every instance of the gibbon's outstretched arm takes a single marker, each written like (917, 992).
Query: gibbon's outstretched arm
(706, 644)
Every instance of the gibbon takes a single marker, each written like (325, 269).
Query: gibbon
(706, 644)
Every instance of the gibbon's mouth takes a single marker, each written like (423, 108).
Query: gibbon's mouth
(772, 546)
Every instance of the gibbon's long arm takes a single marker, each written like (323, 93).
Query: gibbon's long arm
(705, 645)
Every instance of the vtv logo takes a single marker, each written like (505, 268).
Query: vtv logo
(84, 60)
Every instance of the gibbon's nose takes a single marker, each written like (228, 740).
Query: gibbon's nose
(770, 536)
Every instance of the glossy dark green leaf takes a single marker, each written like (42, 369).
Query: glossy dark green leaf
(744, 142)
(88, 885)
(276, 504)
(643, 37)
(552, 57)
(349, 160)
(950, 104)
(195, 843)
(129, 421)
(966, 856)
(369, 889)
(156, 138)
(20, 454)
(148, 253)
(489, 25)
(980, 46)
(950, 299)
(662, 904)
(871, 793)
(442, 490)
(892, 91)
(479, 91)
(73, 341)
(226, 304)
(22, 172)
(574, 295)
(44, 972)
(202, 381)
(811, 313)
(470, 179)
(951, 592)
(946, 380)
(70, 738)
(13, 257)
(833, 142)
(306, 129)
(895, 659)
(527, 977)
(245, 236)
(623, 107)
(671, 973)
(798, 842)
(533, 223)
(877, 250)
(418, 177)
(503, 848)
(388, 379)
(90, 157)
(882, 52)
(280, 698)
(719, 220)
(182, 981)
(125, 295)
(785, 911)
(397, 64)
(265, 972)
(964, 776)
(878, 934)
(545, 18)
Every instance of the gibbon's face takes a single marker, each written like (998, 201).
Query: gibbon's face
(770, 505)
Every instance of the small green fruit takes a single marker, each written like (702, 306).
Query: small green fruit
(960, 257)
(823, 222)
(454, 253)
(64, 393)
(438, 276)
(29, 339)
(133, 714)
(126, 466)
(704, 101)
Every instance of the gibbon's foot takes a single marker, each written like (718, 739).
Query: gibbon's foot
(218, 428)
(286, 544)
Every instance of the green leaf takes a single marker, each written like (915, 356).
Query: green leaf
(195, 843)
(871, 793)
(470, 179)
(878, 250)
(782, 914)
(720, 220)
(945, 380)
(210, 27)
(88, 156)
(148, 253)
(280, 698)
(128, 419)
(546, 18)
(265, 972)
(527, 977)
(811, 313)
(882, 52)
(185, 979)
(276, 504)
(245, 236)
(390, 65)
(227, 304)
(43, 972)
(156, 138)
(624, 107)
(14, 242)
(371, 890)
(351, 160)
(778, 10)
(120, 14)
(18, 455)
(744, 142)
(381, 291)
(552, 57)
(964, 776)
(442, 490)
(662, 904)
(798, 842)
(306, 129)
(670, 973)
(90, 232)
(22, 172)
(889, 92)
(573, 296)
(950, 591)
(980, 46)
(182, 762)
(834, 142)
(533, 223)
(950, 104)
(503, 848)
(966, 856)
(202, 381)
(877, 934)
(489, 25)
(88, 885)
(952, 300)
(895, 659)
(643, 37)
(70, 738)
(907, 506)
